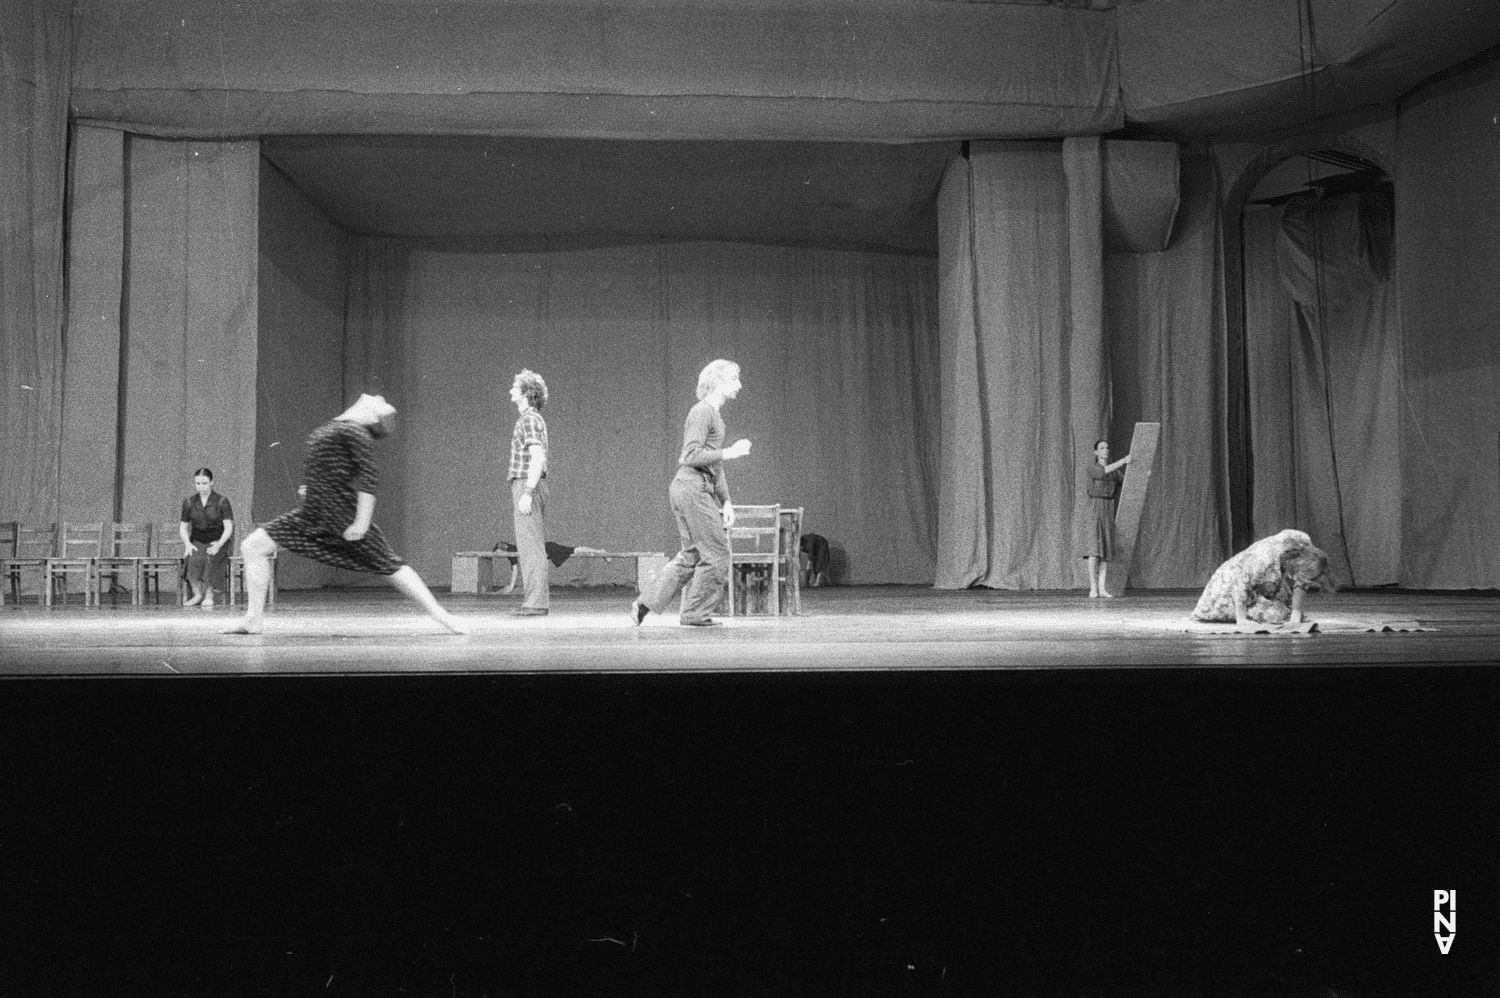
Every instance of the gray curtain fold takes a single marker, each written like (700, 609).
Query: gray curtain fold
(1166, 335)
(1009, 473)
(1447, 155)
(838, 351)
(1324, 387)
(1049, 344)
(629, 69)
(89, 446)
(190, 321)
(36, 60)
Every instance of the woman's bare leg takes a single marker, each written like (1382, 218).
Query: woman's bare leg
(256, 551)
(411, 585)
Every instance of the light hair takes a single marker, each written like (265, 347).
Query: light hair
(714, 375)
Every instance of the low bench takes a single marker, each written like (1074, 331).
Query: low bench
(474, 571)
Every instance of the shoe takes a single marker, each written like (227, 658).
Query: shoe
(528, 611)
(638, 611)
(208, 602)
(705, 622)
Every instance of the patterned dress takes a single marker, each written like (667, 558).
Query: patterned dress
(1255, 573)
(1102, 488)
(340, 464)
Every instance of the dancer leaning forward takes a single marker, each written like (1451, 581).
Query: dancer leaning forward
(335, 522)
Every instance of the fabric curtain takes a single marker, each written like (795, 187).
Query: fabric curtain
(1194, 64)
(189, 341)
(838, 352)
(1050, 344)
(89, 480)
(1448, 253)
(36, 63)
(1323, 369)
(1009, 467)
(1166, 334)
(656, 69)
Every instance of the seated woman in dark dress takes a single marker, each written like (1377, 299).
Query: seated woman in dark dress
(206, 526)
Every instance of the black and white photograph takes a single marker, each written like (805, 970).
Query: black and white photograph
(750, 498)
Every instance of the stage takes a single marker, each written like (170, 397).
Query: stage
(362, 630)
(902, 791)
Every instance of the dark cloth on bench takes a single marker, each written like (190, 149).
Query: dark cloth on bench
(556, 553)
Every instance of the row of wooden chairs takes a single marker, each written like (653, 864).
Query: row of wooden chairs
(134, 556)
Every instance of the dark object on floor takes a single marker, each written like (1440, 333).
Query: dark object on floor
(815, 546)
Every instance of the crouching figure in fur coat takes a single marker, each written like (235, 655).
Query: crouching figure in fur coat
(1265, 583)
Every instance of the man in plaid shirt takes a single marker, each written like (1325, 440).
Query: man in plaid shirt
(528, 490)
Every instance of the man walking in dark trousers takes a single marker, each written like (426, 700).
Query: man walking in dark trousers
(700, 502)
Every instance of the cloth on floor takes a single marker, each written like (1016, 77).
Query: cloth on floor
(1323, 625)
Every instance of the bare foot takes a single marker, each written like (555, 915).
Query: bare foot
(453, 624)
(1093, 595)
(1106, 594)
(246, 626)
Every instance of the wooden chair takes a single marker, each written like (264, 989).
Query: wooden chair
(791, 559)
(755, 560)
(7, 552)
(79, 546)
(165, 559)
(129, 544)
(34, 544)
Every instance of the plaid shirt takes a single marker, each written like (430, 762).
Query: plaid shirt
(530, 429)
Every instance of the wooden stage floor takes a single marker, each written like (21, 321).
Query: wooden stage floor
(901, 792)
(873, 628)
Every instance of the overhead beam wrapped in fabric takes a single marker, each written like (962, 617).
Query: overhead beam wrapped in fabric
(1191, 67)
(761, 69)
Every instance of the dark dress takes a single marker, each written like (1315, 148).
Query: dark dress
(207, 519)
(340, 464)
(1104, 486)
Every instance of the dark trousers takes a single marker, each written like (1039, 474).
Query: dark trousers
(531, 544)
(703, 563)
(203, 568)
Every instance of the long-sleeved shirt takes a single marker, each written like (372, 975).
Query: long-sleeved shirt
(703, 450)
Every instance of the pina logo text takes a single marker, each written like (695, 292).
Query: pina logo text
(1445, 924)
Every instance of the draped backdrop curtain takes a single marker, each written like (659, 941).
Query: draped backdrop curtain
(35, 59)
(1166, 335)
(837, 350)
(1008, 467)
(1323, 364)
(158, 373)
(1030, 379)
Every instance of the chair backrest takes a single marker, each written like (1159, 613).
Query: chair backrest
(791, 532)
(81, 540)
(166, 540)
(36, 540)
(755, 529)
(130, 540)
